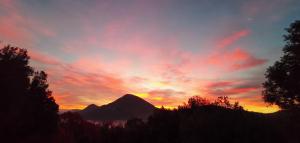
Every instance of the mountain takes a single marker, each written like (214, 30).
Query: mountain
(126, 107)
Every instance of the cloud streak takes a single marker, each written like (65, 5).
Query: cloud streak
(233, 38)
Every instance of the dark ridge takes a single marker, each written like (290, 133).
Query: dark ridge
(91, 107)
(124, 108)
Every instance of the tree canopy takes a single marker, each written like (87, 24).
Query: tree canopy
(27, 106)
(282, 86)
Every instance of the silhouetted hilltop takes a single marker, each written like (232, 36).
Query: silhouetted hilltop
(126, 107)
(91, 107)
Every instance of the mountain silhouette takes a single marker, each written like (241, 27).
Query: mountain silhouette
(126, 107)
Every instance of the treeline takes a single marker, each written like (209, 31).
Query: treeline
(196, 122)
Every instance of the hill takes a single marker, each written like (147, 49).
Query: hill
(126, 107)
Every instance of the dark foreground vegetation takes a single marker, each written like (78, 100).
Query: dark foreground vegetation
(193, 123)
(29, 113)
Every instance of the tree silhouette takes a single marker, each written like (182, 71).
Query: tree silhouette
(197, 101)
(282, 86)
(28, 111)
(14, 75)
(223, 101)
(42, 104)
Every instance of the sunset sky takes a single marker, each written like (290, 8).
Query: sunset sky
(164, 51)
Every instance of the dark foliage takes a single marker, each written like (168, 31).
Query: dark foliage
(283, 78)
(74, 129)
(212, 122)
(28, 111)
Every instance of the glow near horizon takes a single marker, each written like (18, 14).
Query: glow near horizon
(162, 51)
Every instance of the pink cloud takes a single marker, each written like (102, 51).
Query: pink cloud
(232, 88)
(220, 84)
(101, 82)
(10, 29)
(231, 39)
(236, 59)
(99, 64)
(17, 27)
(249, 62)
(243, 59)
(233, 59)
(231, 91)
(82, 82)
(74, 85)
(44, 58)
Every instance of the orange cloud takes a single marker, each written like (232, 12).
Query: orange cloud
(167, 97)
(256, 104)
(246, 92)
